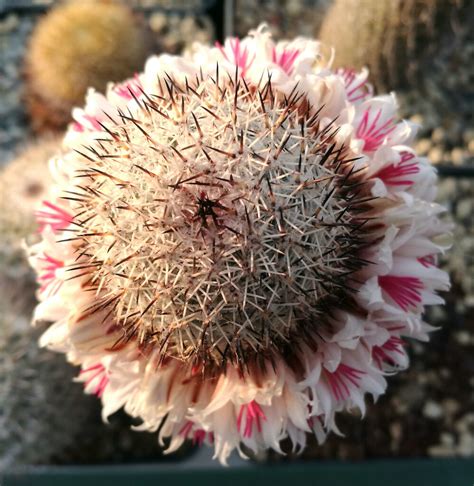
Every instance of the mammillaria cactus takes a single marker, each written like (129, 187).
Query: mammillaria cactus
(78, 45)
(238, 243)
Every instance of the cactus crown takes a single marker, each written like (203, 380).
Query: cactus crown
(219, 221)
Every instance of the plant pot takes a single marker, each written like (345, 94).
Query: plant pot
(406, 472)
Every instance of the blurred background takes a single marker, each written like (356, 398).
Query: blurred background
(51, 51)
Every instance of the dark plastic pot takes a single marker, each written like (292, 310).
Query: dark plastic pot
(403, 472)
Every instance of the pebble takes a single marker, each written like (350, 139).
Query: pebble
(175, 32)
(447, 439)
(440, 451)
(396, 433)
(437, 313)
(445, 373)
(294, 7)
(468, 136)
(423, 146)
(465, 424)
(470, 298)
(463, 338)
(285, 18)
(432, 410)
(460, 307)
(458, 156)
(10, 23)
(439, 135)
(196, 5)
(436, 155)
(464, 209)
(466, 445)
(450, 406)
(158, 21)
(418, 119)
(470, 147)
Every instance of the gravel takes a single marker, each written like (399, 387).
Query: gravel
(13, 129)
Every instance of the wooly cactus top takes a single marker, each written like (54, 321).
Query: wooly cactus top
(237, 244)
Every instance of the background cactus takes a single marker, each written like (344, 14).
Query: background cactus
(399, 40)
(77, 45)
(23, 184)
(42, 411)
(30, 379)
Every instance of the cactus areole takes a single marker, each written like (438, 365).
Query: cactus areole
(237, 243)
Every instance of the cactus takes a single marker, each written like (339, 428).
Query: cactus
(24, 182)
(246, 241)
(42, 411)
(398, 40)
(78, 45)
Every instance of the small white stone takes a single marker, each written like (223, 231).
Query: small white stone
(466, 445)
(447, 439)
(470, 147)
(463, 338)
(440, 451)
(464, 208)
(158, 22)
(436, 155)
(469, 300)
(438, 136)
(432, 410)
(423, 146)
(418, 119)
(9, 24)
(294, 7)
(458, 156)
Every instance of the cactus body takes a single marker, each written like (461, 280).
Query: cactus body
(79, 45)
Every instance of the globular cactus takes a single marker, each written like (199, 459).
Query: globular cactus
(79, 45)
(398, 40)
(241, 241)
(24, 182)
(42, 411)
